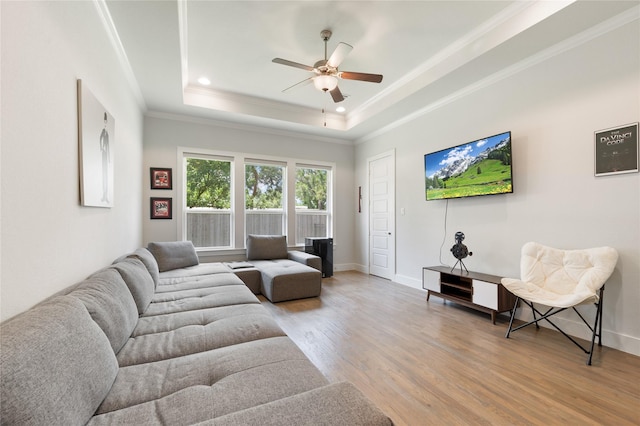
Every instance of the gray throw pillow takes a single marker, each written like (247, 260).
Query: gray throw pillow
(174, 254)
(57, 365)
(266, 247)
(139, 281)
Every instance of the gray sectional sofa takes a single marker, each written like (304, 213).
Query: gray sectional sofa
(156, 339)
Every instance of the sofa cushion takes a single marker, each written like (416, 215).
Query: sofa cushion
(218, 296)
(110, 304)
(334, 404)
(266, 247)
(197, 338)
(139, 281)
(149, 261)
(163, 323)
(57, 365)
(190, 293)
(209, 384)
(174, 254)
(200, 281)
(191, 273)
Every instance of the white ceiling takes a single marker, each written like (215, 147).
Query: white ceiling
(427, 51)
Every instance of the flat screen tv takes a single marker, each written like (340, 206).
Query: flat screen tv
(481, 167)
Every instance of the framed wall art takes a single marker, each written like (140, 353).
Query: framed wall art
(161, 208)
(161, 178)
(616, 150)
(96, 137)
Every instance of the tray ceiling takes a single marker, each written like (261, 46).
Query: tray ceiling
(428, 51)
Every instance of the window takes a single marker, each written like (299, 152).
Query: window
(312, 203)
(264, 199)
(225, 196)
(208, 213)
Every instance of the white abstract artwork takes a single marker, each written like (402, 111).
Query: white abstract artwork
(96, 135)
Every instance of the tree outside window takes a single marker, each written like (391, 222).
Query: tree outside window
(208, 202)
(312, 215)
(264, 199)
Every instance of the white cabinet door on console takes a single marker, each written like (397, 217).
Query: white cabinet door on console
(485, 294)
(431, 280)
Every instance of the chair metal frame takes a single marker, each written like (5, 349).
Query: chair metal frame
(596, 329)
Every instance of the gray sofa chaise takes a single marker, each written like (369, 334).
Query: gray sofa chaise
(281, 274)
(158, 339)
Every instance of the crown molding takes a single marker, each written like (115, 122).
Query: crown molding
(246, 127)
(505, 25)
(259, 107)
(592, 33)
(183, 34)
(116, 43)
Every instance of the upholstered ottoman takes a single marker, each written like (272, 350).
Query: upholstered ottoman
(284, 279)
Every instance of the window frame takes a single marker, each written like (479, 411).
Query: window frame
(283, 209)
(238, 210)
(182, 196)
(328, 212)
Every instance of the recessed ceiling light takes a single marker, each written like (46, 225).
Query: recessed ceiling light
(204, 81)
(341, 109)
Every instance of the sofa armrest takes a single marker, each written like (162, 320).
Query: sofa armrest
(334, 404)
(306, 259)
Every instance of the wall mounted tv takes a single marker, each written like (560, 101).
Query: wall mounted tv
(481, 167)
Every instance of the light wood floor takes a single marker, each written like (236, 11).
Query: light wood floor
(427, 363)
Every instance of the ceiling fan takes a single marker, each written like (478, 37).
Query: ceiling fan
(326, 70)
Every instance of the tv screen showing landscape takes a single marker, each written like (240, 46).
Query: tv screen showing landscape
(481, 167)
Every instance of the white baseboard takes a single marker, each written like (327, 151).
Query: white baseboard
(351, 267)
(408, 281)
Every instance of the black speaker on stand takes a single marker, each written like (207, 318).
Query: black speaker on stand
(323, 248)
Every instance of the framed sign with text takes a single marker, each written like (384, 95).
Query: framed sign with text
(616, 150)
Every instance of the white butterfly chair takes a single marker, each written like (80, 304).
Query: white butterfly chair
(559, 280)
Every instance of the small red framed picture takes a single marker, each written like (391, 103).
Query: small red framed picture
(161, 178)
(161, 208)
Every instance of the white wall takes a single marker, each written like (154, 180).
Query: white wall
(164, 134)
(552, 109)
(48, 240)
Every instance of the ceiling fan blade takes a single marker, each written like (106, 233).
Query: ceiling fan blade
(300, 83)
(338, 55)
(336, 94)
(292, 64)
(372, 78)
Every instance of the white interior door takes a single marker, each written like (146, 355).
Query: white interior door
(382, 250)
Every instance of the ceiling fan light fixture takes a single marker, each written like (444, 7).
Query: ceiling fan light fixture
(325, 82)
(326, 70)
